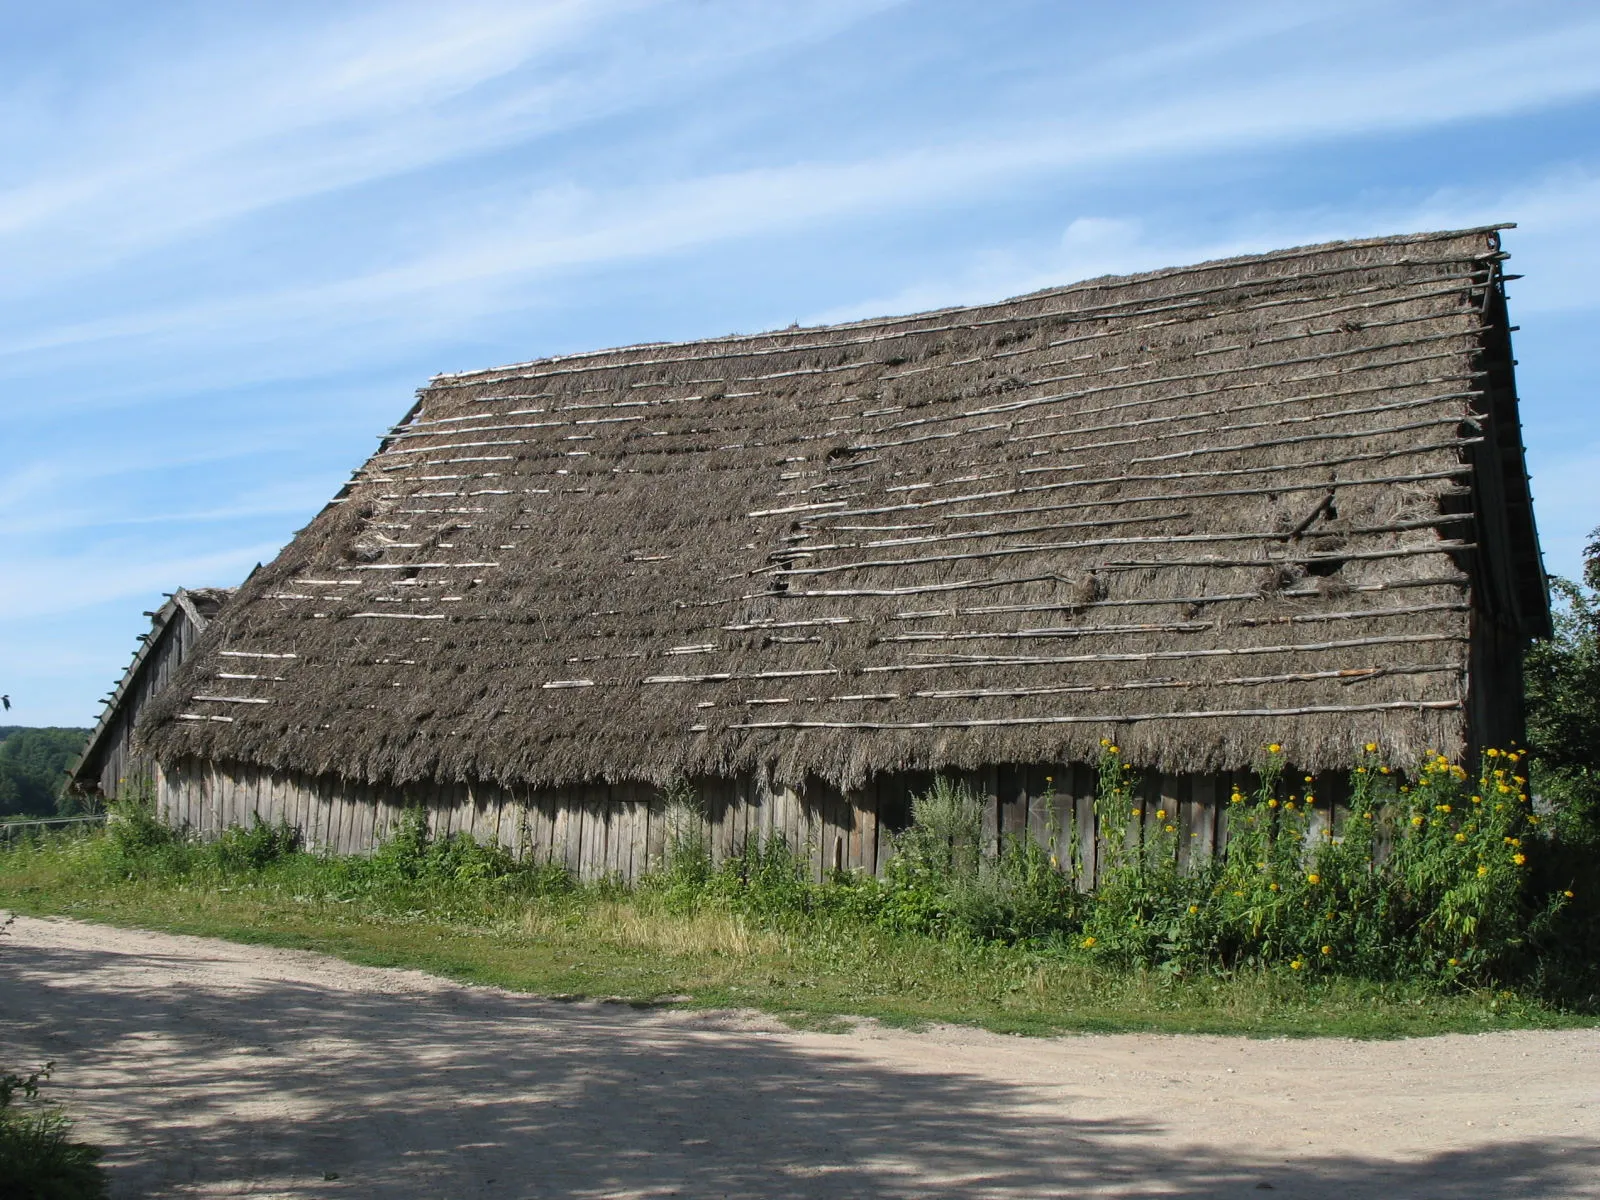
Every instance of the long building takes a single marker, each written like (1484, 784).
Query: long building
(1279, 498)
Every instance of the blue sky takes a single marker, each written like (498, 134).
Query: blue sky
(235, 238)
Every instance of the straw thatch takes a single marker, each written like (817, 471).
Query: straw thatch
(1195, 510)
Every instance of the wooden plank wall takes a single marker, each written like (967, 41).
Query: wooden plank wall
(120, 767)
(621, 830)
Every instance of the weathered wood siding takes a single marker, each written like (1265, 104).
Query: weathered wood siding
(620, 830)
(118, 767)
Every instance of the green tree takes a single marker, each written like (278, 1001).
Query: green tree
(1563, 688)
(33, 765)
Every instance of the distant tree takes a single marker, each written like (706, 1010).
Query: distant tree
(33, 765)
(1563, 688)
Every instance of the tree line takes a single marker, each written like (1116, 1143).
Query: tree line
(33, 770)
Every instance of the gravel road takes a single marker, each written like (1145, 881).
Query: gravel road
(213, 1069)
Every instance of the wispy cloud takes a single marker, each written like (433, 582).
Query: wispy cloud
(259, 116)
(65, 583)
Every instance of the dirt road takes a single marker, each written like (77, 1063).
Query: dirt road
(212, 1069)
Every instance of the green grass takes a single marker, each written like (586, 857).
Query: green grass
(810, 970)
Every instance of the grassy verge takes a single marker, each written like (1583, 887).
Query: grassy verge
(538, 933)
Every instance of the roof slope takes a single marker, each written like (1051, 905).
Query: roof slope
(1200, 508)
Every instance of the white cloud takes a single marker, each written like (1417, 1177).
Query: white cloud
(211, 131)
(65, 583)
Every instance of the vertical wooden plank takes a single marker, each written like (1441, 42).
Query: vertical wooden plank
(619, 843)
(989, 786)
(621, 832)
(1038, 809)
(561, 828)
(1174, 792)
(1227, 784)
(572, 841)
(866, 815)
(1085, 788)
(1200, 822)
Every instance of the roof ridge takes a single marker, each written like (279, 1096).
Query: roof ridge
(1289, 253)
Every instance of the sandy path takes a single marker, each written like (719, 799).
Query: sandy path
(212, 1069)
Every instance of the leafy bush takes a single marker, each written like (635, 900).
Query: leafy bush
(1427, 878)
(1562, 679)
(38, 1158)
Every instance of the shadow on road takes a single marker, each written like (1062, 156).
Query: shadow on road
(267, 1087)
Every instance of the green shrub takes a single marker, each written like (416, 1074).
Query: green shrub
(38, 1158)
(260, 845)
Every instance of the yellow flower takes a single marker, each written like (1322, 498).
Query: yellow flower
(1138, 812)
(1313, 878)
(1236, 798)
(1161, 814)
(1383, 770)
(1310, 799)
(1482, 870)
(1327, 949)
(1567, 893)
(1194, 908)
(1511, 841)
(1112, 749)
(1519, 859)
(1105, 741)
(1239, 894)
(1088, 942)
(1274, 748)
(1492, 752)
(1289, 805)
(1172, 829)
(1417, 820)
(1461, 837)
(1477, 799)
(1296, 965)
(1444, 808)
(1454, 963)
(1272, 886)
(1272, 804)
(1308, 779)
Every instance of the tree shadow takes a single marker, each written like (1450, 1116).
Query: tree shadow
(200, 1086)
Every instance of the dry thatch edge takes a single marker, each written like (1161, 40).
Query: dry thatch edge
(1254, 364)
(1103, 481)
(1077, 631)
(1102, 719)
(1257, 405)
(1121, 501)
(1189, 376)
(514, 371)
(810, 549)
(1218, 598)
(1276, 422)
(1442, 546)
(988, 660)
(1352, 674)
(1170, 540)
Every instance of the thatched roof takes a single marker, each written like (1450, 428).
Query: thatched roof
(1196, 509)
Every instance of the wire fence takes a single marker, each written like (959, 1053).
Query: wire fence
(10, 829)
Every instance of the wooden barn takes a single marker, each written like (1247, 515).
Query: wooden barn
(109, 763)
(1274, 498)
